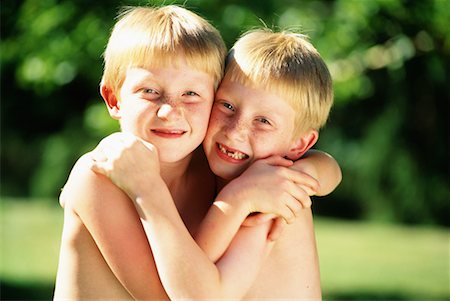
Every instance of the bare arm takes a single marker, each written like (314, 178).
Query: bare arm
(171, 242)
(227, 213)
(178, 257)
(114, 224)
(323, 168)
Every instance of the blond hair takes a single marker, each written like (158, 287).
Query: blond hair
(152, 37)
(286, 64)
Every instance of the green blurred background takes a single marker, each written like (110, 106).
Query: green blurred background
(383, 234)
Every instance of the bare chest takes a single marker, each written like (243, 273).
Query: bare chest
(193, 202)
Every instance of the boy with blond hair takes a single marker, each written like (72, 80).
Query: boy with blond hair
(275, 96)
(162, 66)
(167, 49)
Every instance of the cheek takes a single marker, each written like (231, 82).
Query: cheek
(130, 117)
(199, 117)
(263, 146)
(218, 119)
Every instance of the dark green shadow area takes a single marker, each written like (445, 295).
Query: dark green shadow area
(39, 291)
(379, 296)
(25, 291)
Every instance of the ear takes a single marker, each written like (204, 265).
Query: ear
(302, 144)
(111, 101)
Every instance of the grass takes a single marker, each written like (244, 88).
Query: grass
(359, 260)
(384, 262)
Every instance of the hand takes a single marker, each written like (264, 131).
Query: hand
(260, 218)
(127, 160)
(269, 186)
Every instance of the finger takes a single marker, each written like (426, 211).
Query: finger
(257, 219)
(99, 167)
(114, 146)
(98, 155)
(278, 161)
(108, 140)
(310, 184)
(295, 199)
(286, 212)
(276, 229)
(129, 139)
(293, 204)
(301, 197)
(148, 145)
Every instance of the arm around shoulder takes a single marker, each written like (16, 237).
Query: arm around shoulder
(321, 166)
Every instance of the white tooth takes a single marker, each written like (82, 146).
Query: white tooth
(235, 155)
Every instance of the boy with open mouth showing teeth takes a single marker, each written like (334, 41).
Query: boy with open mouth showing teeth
(129, 235)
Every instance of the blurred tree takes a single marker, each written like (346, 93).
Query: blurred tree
(389, 127)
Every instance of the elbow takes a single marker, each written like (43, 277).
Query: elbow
(338, 173)
(333, 182)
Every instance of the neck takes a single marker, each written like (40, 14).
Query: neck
(174, 174)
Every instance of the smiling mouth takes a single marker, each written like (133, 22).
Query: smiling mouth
(168, 133)
(234, 154)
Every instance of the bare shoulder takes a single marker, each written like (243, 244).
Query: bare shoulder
(296, 247)
(83, 183)
(294, 261)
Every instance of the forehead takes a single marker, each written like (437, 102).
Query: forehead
(173, 75)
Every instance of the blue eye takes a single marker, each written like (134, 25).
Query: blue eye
(191, 93)
(228, 106)
(149, 91)
(264, 120)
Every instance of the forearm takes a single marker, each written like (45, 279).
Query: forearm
(178, 257)
(218, 228)
(323, 168)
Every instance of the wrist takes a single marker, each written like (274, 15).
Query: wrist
(151, 196)
(231, 202)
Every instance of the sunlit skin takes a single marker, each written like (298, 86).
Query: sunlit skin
(106, 249)
(170, 109)
(246, 124)
(165, 107)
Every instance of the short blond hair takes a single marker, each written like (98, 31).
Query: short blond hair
(152, 37)
(286, 64)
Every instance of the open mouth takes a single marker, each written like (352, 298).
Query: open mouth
(234, 154)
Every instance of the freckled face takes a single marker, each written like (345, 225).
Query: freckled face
(167, 107)
(246, 124)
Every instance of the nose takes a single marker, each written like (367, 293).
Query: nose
(236, 130)
(166, 111)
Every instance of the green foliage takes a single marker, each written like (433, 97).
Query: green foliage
(388, 129)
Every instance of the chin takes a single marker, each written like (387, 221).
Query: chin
(168, 158)
(226, 174)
